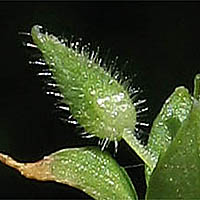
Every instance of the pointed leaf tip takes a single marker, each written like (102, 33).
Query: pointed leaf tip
(88, 169)
(39, 170)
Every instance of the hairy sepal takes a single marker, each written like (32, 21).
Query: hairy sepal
(96, 100)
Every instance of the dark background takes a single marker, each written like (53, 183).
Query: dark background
(162, 41)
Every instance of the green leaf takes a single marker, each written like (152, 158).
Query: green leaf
(93, 171)
(87, 168)
(177, 175)
(173, 113)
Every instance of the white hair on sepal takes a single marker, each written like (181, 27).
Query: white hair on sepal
(24, 33)
(124, 79)
(114, 70)
(53, 85)
(141, 130)
(28, 44)
(120, 74)
(112, 66)
(62, 110)
(38, 62)
(50, 84)
(135, 95)
(139, 102)
(88, 136)
(72, 122)
(145, 124)
(95, 54)
(105, 60)
(103, 143)
(80, 49)
(85, 134)
(55, 94)
(132, 90)
(127, 81)
(45, 72)
(68, 120)
(115, 146)
(63, 107)
(141, 111)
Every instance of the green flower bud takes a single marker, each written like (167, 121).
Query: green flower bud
(96, 100)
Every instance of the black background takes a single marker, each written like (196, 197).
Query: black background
(162, 39)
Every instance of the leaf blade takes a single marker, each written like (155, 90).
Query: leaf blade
(87, 168)
(178, 170)
(173, 113)
(95, 172)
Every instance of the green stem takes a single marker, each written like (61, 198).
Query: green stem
(142, 151)
(197, 87)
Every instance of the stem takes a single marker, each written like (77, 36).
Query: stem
(197, 87)
(142, 151)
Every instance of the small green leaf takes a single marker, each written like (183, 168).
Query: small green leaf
(173, 113)
(87, 168)
(177, 175)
